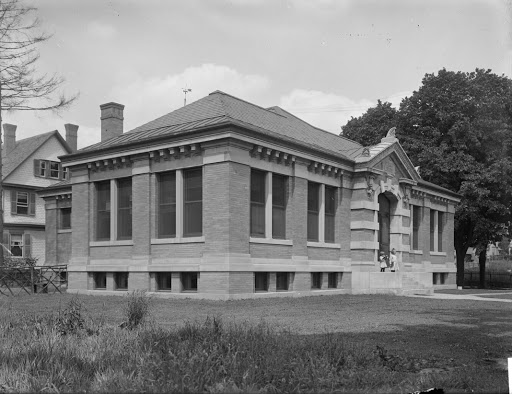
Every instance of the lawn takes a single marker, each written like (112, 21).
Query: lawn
(395, 344)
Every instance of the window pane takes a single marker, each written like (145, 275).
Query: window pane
(312, 226)
(278, 206)
(100, 280)
(17, 245)
(124, 208)
(313, 197)
(257, 186)
(103, 210)
(281, 280)
(193, 219)
(193, 202)
(440, 224)
(65, 218)
(257, 219)
(193, 184)
(330, 211)
(167, 188)
(167, 221)
(54, 169)
(261, 281)
(164, 280)
(189, 281)
(121, 280)
(316, 280)
(416, 219)
(278, 223)
(432, 229)
(332, 280)
(313, 210)
(167, 205)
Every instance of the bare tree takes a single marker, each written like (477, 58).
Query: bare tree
(22, 88)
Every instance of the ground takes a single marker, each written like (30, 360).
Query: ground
(437, 334)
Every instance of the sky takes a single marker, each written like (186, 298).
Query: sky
(323, 60)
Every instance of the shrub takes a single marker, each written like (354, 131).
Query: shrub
(71, 319)
(137, 309)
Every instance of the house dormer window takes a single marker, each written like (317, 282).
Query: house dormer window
(50, 169)
(54, 170)
(42, 168)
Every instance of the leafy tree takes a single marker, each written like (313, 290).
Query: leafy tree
(22, 88)
(369, 128)
(458, 128)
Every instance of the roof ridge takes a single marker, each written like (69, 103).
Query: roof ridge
(243, 101)
(315, 127)
(39, 135)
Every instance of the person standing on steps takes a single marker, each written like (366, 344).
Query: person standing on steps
(383, 262)
(393, 261)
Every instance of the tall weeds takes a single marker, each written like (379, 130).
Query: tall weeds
(210, 356)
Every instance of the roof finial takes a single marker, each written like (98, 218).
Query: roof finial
(391, 132)
(186, 90)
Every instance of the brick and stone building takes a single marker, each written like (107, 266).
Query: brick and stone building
(29, 165)
(224, 199)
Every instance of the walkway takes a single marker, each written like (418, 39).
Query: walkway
(484, 296)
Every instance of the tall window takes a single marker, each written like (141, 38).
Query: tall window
(278, 206)
(416, 220)
(258, 196)
(282, 280)
(180, 203)
(124, 208)
(330, 211)
(440, 229)
(313, 210)
(193, 202)
(432, 229)
(103, 211)
(167, 205)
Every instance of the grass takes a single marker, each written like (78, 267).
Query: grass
(314, 344)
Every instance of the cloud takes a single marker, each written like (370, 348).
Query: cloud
(148, 98)
(101, 30)
(324, 110)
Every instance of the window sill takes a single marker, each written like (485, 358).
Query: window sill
(64, 230)
(438, 253)
(187, 240)
(271, 241)
(127, 242)
(415, 251)
(323, 245)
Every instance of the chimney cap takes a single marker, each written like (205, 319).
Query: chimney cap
(111, 104)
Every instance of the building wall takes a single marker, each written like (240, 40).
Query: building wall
(225, 256)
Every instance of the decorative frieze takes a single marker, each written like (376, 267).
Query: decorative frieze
(324, 169)
(272, 155)
(109, 164)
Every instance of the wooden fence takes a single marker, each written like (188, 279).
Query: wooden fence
(31, 280)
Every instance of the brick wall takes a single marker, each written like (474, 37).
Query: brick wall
(271, 251)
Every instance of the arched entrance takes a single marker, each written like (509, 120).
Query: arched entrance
(384, 223)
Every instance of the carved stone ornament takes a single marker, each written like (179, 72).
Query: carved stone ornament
(405, 198)
(417, 168)
(369, 189)
(391, 132)
(366, 152)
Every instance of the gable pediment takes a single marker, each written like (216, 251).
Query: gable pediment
(390, 159)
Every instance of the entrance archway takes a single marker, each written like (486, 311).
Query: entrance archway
(384, 223)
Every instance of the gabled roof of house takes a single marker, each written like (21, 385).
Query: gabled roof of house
(219, 108)
(24, 148)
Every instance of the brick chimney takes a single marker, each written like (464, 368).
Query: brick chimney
(9, 137)
(111, 120)
(71, 136)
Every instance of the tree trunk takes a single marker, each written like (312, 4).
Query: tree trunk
(2, 249)
(461, 257)
(482, 257)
